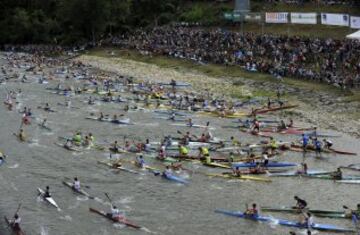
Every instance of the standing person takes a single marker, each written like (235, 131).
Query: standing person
(318, 147)
(305, 141)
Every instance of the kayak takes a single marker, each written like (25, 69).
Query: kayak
(177, 84)
(121, 121)
(297, 211)
(109, 164)
(261, 134)
(312, 148)
(169, 112)
(214, 164)
(241, 177)
(321, 134)
(175, 178)
(72, 148)
(266, 110)
(50, 200)
(329, 177)
(15, 231)
(270, 164)
(348, 181)
(297, 173)
(288, 223)
(122, 220)
(192, 126)
(81, 191)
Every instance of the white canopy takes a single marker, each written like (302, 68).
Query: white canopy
(355, 35)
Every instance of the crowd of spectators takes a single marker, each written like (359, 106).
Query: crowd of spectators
(335, 62)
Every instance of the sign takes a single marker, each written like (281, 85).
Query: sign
(253, 17)
(303, 18)
(335, 19)
(355, 22)
(276, 17)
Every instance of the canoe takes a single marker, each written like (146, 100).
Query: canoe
(270, 164)
(109, 164)
(50, 200)
(16, 232)
(81, 191)
(214, 164)
(288, 223)
(117, 220)
(242, 177)
(175, 178)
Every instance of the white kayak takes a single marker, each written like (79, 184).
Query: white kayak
(348, 181)
(50, 200)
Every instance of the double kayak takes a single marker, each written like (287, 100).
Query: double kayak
(270, 164)
(122, 220)
(50, 200)
(241, 177)
(283, 222)
(316, 212)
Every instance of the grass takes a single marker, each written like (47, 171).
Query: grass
(232, 72)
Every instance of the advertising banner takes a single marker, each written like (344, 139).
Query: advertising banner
(303, 18)
(335, 19)
(276, 17)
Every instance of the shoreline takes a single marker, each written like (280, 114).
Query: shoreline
(319, 104)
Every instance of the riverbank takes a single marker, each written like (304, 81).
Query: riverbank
(319, 104)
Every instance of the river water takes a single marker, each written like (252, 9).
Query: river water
(160, 206)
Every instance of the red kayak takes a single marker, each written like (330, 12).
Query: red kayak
(122, 220)
(266, 110)
(298, 148)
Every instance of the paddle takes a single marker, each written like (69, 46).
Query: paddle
(108, 197)
(18, 209)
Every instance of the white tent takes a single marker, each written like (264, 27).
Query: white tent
(355, 35)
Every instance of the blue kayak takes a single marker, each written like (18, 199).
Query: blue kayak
(175, 178)
(270, 164)
(288, 223)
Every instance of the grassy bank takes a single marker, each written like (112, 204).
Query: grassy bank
(218, 71)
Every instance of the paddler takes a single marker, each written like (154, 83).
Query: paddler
(337, 175)
(186, 139)
(291, 123)
(115, 118)
(167, 172)
(202, 138)
(355, 212)
(115, 213)
(147, 146)
(140, 162)
(327, 143)
(77, 138)
(252, 211)
(162, 153)
(15, 223)
(47, 192)
(183, 151)
(273, 145)
(256, 126)
(101, 116)
(231, 157)
(204, 153)
(235, 142)
(189, 122)
(2, 158)
(318, 147)
(305, 141)
(114, 147)
(47, 107)
(303, 170)
(22, 135)
(43, 124)
(172, 116)
(76, 184)
(300, 203)
(91, 137)
(236, 171)
(282, 126)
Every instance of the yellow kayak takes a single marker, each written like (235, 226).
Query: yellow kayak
(242, 177)
(214, 164)
(217, 114)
